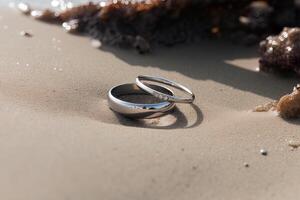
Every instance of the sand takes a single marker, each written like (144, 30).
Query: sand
(59, 140)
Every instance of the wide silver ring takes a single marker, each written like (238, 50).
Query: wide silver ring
(138, 110)
(162, 95)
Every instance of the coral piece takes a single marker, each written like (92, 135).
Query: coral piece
(282, 52)
(142, 24)
(45, 15)
(287, 107)
(266, 107)
(79, 12)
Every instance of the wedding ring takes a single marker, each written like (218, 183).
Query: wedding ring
(162, 95)
(117, 101)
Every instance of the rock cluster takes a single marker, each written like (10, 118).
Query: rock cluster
(143, 24)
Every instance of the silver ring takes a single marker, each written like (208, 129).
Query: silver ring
(162, 95)
(135, 109)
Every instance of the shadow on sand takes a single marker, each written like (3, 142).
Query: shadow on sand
(173, 120)
(182, 116)
(205, 61)
(209, 59)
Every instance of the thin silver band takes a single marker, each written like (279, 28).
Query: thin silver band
(162, 95)
(137, 110)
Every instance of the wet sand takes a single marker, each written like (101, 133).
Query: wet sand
(59, 140)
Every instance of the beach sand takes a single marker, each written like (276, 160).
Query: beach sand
(59, 140)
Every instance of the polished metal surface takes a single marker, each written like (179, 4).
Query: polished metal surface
(138, 109)
(162, 95)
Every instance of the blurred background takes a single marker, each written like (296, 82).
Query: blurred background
(47, 3)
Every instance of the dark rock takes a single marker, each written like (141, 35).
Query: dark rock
(281, 53)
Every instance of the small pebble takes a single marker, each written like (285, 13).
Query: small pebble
(58, 69)
(246, 165)
(25, 34)
(294, 144)
(96, 44)
(263, 152)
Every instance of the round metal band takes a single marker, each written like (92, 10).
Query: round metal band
(137, 110)
(161, 95)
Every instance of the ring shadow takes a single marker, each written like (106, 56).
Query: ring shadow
(172, 120)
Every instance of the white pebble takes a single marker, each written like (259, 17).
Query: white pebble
(263, 152)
